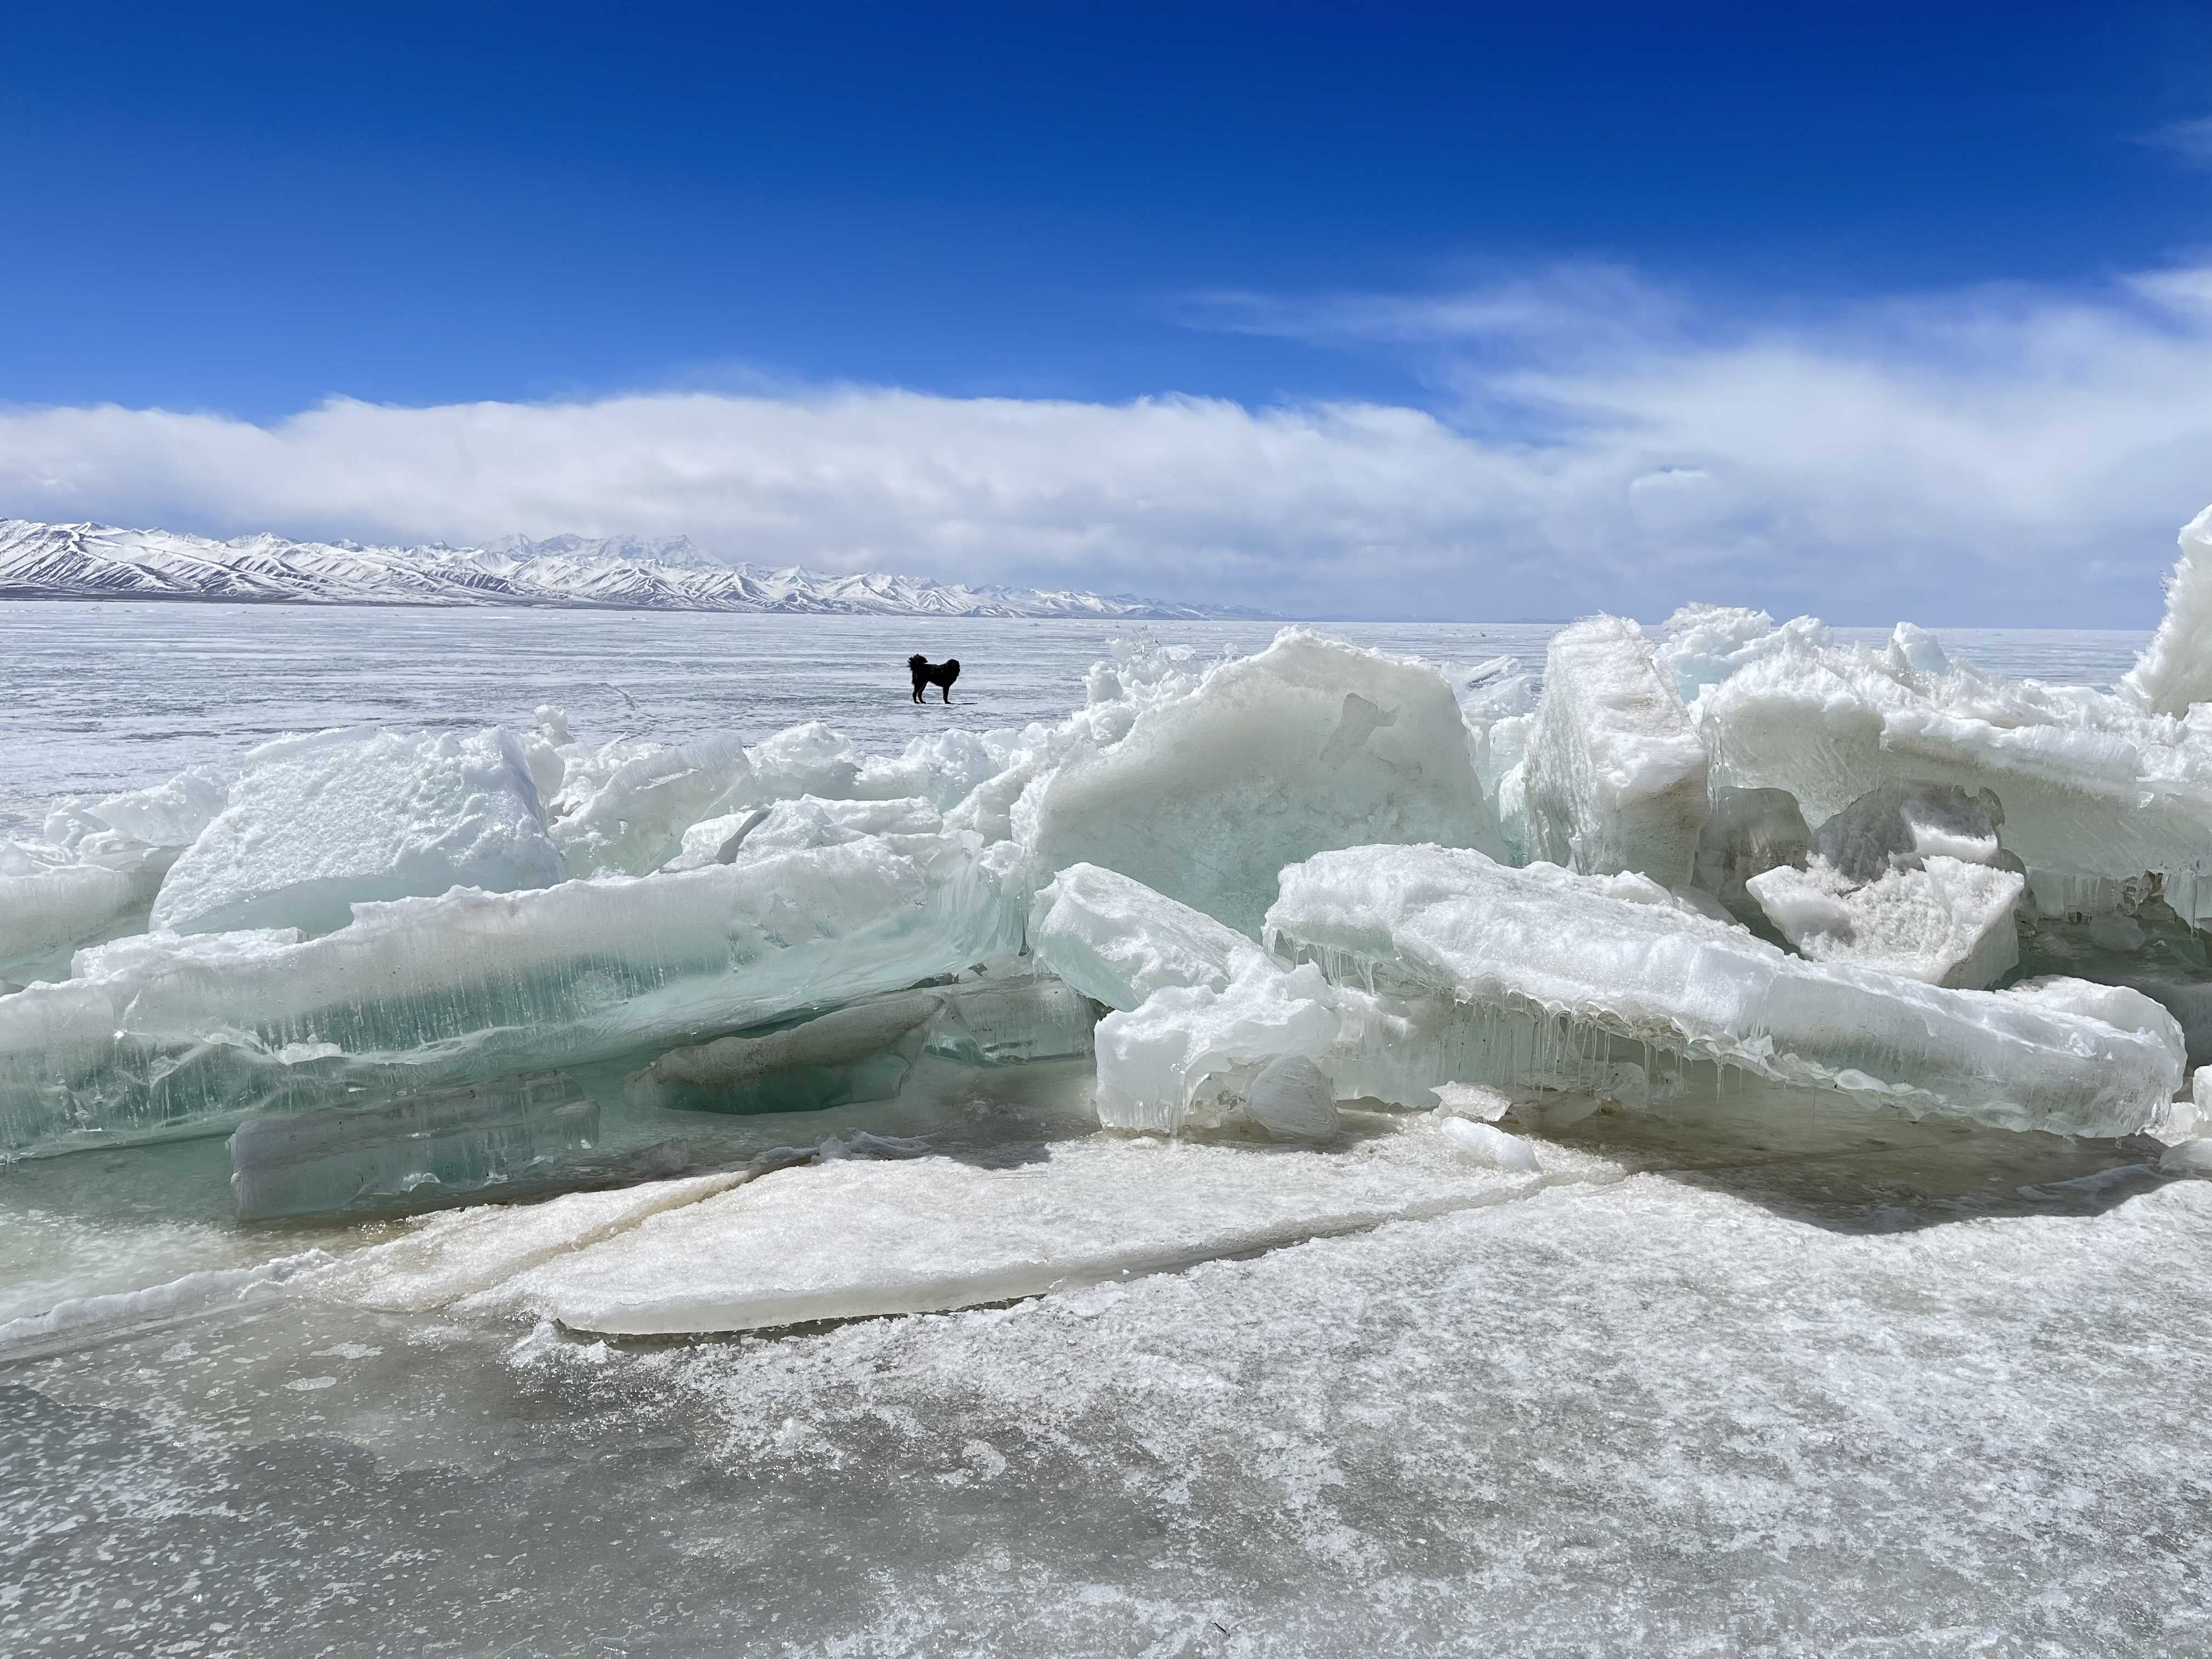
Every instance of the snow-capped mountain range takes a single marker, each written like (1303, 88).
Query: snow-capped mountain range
(616, 573)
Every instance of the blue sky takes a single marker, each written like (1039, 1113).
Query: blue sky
(1497, 304)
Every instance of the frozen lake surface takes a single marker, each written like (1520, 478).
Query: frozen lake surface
(101, 697)
(1772, 1372)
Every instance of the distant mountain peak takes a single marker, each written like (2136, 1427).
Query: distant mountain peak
(612, 573)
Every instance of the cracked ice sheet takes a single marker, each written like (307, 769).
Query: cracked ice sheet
(858, 1236)
(1700, 1413)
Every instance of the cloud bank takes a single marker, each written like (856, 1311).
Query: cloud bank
(2004, 456)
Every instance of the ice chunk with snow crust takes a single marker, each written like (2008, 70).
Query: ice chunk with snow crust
(317, 824)
(1311, 744)
(1616, 773)
(1434, 922)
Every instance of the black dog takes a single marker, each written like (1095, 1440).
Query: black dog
(942, 675)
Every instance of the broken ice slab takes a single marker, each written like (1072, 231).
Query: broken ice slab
(1117, 940)
(852, 1055)
(1615, 776)
(1598, 957)
(858, 1237)
(1013, 1020)
(1311, 744)
(428, 1147)
(164, 1033)
(316, 824)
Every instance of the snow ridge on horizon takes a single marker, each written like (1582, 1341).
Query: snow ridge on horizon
(609, 573)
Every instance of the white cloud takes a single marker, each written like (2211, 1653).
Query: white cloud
(2191, 140)
(2003, 455)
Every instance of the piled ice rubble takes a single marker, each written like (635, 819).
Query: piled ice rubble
(314, 825)
(1618, 958)
(96, 868)
(1200, 1011)
(2098, 792)
(1291, 878)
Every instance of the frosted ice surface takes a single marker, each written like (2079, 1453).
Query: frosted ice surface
(1309, 744)
(1614, 777)
(2175, 670)
(425, 1147)
(857, 1054)
(317, 824)
(171, 814)
(1614, 954)
(857, 1237)
(1941, 921)
(164, 1032)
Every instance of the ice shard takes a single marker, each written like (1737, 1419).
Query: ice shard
(1615, 776)
(317, 824)
(1616, 959)
(1311, 744)
(162, 1032)
(428, 1147)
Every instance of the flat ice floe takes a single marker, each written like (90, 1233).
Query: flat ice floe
(861, 1235)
